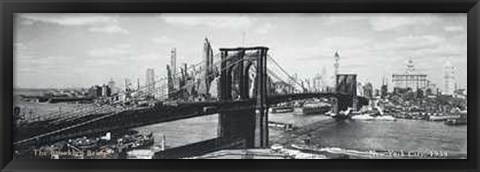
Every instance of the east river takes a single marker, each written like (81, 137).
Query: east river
(400, 135)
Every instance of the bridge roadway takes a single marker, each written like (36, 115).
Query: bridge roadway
(141, 116)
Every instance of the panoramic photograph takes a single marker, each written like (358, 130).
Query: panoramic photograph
(240, 86)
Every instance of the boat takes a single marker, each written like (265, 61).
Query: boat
(364, 117)
(283, 108)
(342, 114)
(280, 125)
(315, 107)
(462, 120)
(368, 117)
(443, 117)
(84, 143)
(140, 154)
(456, 122)
(386, 118)
(135, 141)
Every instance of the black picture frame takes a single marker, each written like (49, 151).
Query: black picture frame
(9, 7)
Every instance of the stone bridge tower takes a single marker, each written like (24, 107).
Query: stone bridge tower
(248, 125)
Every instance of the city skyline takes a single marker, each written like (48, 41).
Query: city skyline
(81, 50)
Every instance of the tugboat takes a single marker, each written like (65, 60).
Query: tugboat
(459, 121)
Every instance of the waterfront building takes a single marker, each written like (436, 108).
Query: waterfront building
(105, 91)
(384, 89)
(111, 85)
(368, 90)
(95, 91)
(170, 83)
(150, 82)
(449, 78)
(360, 91)
(410, 79)
(432, 90)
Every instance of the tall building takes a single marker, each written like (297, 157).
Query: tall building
(449, 78)
(317, 83)
(324, 77)
(410, 79)
(150, 82)
(384, 88)
(368, 90)
(410, 67)
(207, 67)
(173, 65)
(138, 84)
(111, 85)
(105, 91)
(337, 63)
(170, 88)
(128, 85)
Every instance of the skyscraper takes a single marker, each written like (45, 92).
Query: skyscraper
(411, 79)
(449, 78)
(150, 82)
(208, 66)
(337, 63)
(336, 66)
(111, 85)
(410, 67)
(173, 66)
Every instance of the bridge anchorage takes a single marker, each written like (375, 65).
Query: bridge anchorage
(250, 125)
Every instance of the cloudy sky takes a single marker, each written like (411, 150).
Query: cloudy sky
(80, 50)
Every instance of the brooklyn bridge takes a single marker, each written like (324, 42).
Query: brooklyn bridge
(247, 88)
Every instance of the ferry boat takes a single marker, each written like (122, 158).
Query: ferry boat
(315, 107)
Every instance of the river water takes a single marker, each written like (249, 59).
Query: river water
(400, 135)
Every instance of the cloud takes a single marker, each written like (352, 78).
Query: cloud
(446, 50)
(453, 28)
(19, 46)
(163, 40)
(109, 29)
(69, 19)
(418, 42)
(337, 18)
(409, 43)
(391, 22)
(119, 50)
(264, 29)
(210, 20)
(94, 22)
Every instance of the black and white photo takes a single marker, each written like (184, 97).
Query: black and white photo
(240, 86)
